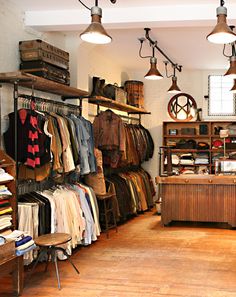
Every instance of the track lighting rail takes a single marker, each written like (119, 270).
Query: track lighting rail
(154, 44)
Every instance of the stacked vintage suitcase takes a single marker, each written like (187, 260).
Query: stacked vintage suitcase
(44, 60)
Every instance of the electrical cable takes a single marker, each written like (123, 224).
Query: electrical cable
(84, 5)
(140, 50)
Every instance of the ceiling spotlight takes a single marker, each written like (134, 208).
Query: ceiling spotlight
(221, 33)
(95, 33)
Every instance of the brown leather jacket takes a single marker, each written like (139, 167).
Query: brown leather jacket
(109, 133)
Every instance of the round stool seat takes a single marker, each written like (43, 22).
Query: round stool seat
(52, 239)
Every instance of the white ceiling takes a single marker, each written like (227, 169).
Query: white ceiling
(179, 26)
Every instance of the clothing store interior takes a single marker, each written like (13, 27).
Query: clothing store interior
(118, 148)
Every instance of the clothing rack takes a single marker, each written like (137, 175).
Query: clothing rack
(43, 104)
(128, 117)
(108, 171)
(31, 186)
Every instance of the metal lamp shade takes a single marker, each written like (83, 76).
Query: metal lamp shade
(153, 73)
(231, 72)
(233, 90)
(174, 88)
(95, 33)
(222, 33)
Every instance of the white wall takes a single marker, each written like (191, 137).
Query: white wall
(12, 31)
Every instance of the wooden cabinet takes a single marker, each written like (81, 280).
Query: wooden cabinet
(199, 139)
(197, 198)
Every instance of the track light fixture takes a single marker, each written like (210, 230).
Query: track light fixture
(222, 33)
(154, 73)
(174, 89)
(95, 33)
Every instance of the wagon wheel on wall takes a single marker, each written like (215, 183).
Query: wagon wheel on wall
(182, 107)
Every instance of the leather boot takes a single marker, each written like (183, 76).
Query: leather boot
(101, 86)
(96, 86)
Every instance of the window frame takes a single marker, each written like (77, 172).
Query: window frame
(208, 105)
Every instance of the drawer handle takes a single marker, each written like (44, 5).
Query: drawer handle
(186, 181)
(210, 181)
(234, 181)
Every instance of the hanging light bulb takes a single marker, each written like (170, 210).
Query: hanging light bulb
(153, 73)
(174, 87)
(222, 33)
(95, 33)
(233, 90)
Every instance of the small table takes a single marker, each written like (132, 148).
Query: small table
(48, 244)
(14, 265)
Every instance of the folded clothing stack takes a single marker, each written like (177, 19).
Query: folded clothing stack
(4, 176)
(24, 245)
(5, 221)
(202, 158)
(174, 159)
(187, 159)
(23, 242)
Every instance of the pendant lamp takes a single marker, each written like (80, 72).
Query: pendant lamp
(153, 73)
(222, 33)
(174, 89)
(95, 33)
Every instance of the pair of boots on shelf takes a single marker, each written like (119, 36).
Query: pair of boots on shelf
(98, 86)
(102, 89)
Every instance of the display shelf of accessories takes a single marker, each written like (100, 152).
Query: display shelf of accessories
(199, 139)
(8, 189)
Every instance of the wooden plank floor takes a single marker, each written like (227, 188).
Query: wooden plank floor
(145, 259)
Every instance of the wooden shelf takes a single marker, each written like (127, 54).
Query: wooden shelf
(175, 150)
(187, 136)
(209, 138)
(27, 80)
(106, 102)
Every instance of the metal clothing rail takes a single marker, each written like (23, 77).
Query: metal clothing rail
(122, 116)
(43, 104)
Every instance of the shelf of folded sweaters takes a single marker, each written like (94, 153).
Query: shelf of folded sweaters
(6, 209)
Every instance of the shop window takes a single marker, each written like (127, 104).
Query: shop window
(221, 101)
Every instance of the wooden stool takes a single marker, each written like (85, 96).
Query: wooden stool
(106, 209)
(48, 244)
